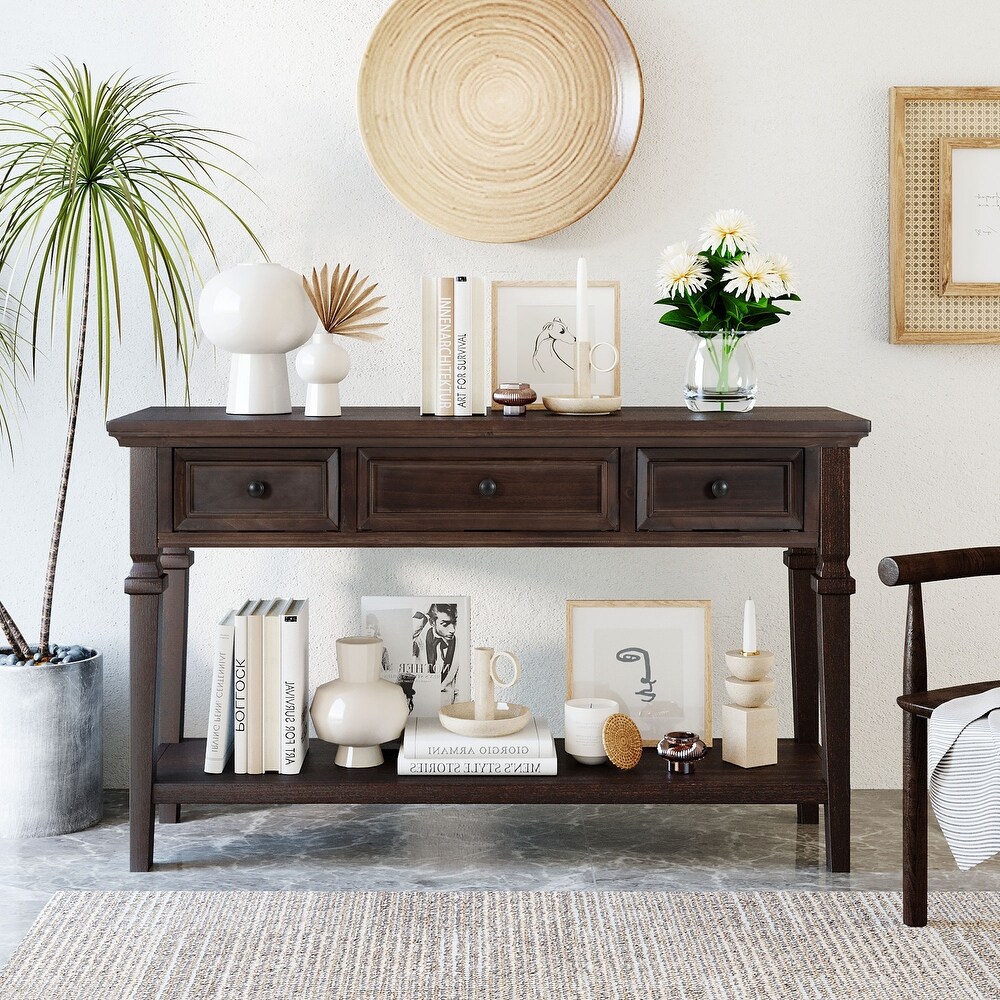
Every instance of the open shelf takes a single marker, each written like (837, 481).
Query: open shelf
(796, 778)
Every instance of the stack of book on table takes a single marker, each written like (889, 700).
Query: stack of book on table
(428, 748)
(453, 362)
(259, 705)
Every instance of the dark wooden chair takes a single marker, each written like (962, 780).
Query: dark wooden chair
(918, 703)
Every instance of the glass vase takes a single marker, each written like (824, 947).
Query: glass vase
(721, 374)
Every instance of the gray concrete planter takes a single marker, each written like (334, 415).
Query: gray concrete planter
(51, 748)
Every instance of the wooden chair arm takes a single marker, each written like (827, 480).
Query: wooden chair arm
(949, 564)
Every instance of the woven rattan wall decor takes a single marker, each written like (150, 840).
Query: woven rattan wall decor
(500, 121)
(920, 118)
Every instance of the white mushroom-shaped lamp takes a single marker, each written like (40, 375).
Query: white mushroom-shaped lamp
(345, 307)
(258, 312)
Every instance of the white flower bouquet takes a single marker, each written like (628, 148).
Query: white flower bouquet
(727, 286)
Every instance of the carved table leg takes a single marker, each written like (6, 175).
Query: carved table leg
(144, 585)
(801, 565)
(834, 585)
(173, 653)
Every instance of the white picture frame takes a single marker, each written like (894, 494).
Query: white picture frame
(652, 657)
(970, 216)
(532, 321)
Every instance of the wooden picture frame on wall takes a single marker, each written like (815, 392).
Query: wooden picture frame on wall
(926, 304)
(970, 216)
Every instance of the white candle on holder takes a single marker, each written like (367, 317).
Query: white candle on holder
(749, 627)
(581, 300)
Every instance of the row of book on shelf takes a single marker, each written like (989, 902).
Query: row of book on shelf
(453, 356)
(259, 703)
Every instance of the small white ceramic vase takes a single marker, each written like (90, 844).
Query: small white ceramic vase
(323, 364)
(258, 312)
(359, 710)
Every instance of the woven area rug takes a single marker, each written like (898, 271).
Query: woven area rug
(516, 946)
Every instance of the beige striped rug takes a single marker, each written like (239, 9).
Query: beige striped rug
(515, 946)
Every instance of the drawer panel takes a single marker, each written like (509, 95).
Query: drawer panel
(258, 490)
(426, 489)
(720, 490)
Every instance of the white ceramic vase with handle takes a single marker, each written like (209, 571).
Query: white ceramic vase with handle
(359, 710)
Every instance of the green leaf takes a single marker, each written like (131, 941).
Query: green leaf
(680, 320)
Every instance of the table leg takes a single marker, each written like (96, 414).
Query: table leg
(144, 585)
(173, 653)
(834, 585)
(801, 565)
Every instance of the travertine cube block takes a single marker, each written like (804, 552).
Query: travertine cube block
(750, 735)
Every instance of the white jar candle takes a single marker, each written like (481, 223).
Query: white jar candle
(585, 718)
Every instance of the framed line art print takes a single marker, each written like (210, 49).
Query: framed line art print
(652, 657)
(970, 216)
(534, 333)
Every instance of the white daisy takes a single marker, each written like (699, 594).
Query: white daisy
(681, 273)
(753, 276)
(782, 268)
(728, 231)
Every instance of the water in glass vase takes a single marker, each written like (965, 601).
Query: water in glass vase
(721, 374)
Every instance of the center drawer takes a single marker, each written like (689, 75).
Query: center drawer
(426, 489)
(218, 489)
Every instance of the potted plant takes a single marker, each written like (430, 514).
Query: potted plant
(719, 293)
(95, 177)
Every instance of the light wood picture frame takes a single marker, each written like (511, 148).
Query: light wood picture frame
(653, 657)
(924, 305)
(970, 216)
(534, 316)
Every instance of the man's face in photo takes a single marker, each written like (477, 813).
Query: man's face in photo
(444, 627)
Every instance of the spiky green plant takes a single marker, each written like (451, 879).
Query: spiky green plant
(95, 176)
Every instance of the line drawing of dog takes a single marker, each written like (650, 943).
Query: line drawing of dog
(547, 343)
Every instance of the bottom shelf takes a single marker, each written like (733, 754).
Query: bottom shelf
(796, 778)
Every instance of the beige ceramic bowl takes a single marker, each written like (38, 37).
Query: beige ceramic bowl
(749, 668)
(749, 694)
(460, 718)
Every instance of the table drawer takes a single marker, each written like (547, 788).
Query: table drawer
(258, 490)
(678, 489)
(423, 489)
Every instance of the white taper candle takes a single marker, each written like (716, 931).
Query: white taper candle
(749, 627)
(581, 300)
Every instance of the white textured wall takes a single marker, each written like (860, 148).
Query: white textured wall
(778, 108)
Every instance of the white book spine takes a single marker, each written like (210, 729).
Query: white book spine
(240, 695)
(219, 744)
(428, 345)
(427, 738)
(272, 686)
(255, 693)
(444, 404)
(492, 767)
(463, 347)
(482, 395)
(294, 689)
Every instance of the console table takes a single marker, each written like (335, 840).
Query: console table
(384, 476)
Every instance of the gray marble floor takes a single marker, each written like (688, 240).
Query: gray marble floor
(469, 847)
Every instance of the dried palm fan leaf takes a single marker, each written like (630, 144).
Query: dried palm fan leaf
(344, 303)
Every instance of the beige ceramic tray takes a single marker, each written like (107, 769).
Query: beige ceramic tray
(460, 718)
(582, 404)
(500, 121)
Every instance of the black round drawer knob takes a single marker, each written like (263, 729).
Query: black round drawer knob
(720, 488)
(256, 488)
(487, 488)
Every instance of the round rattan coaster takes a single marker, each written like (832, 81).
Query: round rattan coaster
(622, 741)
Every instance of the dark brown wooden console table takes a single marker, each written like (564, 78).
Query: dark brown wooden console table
(387, 477)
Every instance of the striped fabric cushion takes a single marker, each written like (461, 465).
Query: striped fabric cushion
(963, 751)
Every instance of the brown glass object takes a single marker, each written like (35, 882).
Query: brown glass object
(918, 703)
(514, 397)
(378, 477)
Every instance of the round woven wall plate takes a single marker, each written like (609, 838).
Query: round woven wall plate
(500, 121)
(622, 741)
